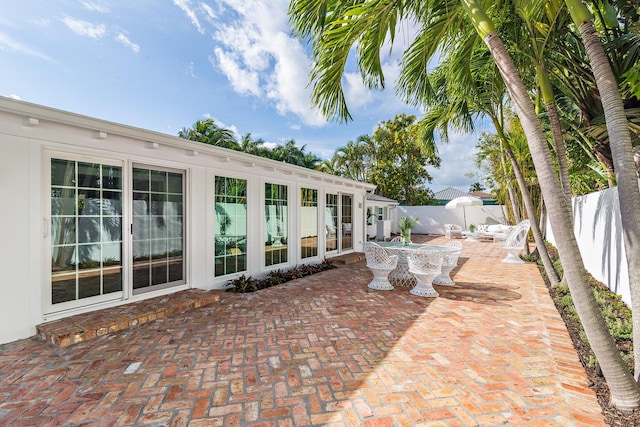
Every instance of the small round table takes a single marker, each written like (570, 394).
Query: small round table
(401, 275)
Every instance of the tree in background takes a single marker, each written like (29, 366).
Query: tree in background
(394, 158)
(400, 167)
(356, 159)
(206, 131)
(476, 186)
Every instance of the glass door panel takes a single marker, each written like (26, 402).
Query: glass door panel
(331, 222)
(346, 221)
(158, 229)
(86, 230)
(276, 224)
(230, 252)
(308, 222)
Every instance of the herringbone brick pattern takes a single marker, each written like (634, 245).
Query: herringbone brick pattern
(324, 351)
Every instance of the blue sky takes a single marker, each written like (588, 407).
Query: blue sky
(162, 65)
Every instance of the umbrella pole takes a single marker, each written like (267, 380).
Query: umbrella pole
(464, 214)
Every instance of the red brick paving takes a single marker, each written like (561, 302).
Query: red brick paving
(322, 350)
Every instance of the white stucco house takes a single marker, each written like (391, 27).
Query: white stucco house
(97, 214)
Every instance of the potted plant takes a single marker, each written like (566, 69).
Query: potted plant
(406, 224)
(472, 228)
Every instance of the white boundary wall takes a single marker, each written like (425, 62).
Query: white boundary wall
(431, 219)
(598, 229)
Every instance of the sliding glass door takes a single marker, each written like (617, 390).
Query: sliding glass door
(276, 224)
(158, 228)
(338, 219)
(346, 221)
(86, 231)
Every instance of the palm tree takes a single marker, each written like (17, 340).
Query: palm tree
(476, 186)
(542, 20)
(334, 27)
(458, 98)
(327, 166)
(288, 153)
(208, 132)
(253, 146)
(622, 152)
(356, 159)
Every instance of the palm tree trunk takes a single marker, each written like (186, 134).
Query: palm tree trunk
(625, 171)
(625, 392)
(535, 226)
(556, 129)
(622, 153)
(513, 196)
(530, 209)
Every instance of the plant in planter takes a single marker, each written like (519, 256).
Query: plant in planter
(406, 224)
(472, 228)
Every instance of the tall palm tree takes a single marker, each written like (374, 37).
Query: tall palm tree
(543, 20)
(622, 152)
(458, 99)
(334, 27)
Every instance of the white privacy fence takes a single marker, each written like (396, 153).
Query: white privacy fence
(598, 229)
(431, 219)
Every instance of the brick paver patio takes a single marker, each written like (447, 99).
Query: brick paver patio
(322, 350)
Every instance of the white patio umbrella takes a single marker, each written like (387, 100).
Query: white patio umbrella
(463, 202)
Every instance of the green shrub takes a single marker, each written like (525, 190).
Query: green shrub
(616, 314)
(244, 284)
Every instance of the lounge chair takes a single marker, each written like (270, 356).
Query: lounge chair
(515, 242)
(453, 231)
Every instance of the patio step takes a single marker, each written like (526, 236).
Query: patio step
(348, 258)
(86, 326)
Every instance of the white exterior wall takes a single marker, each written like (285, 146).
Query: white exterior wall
(598, 230)
(19, 228)
(25, 148)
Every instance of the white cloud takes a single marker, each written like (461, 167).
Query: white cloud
(186, 7)
(191, 69)
(42, 22)
(262, 51)
(458, 160)
(84, 28)
(95, 6)
(243, 81)
(356, 93)
(9, 44)
(125, 41)
(14, 96)
(208, 10)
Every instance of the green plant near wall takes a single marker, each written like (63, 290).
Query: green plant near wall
(407, 224)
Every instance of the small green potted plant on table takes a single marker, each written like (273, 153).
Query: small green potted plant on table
(406, 224)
